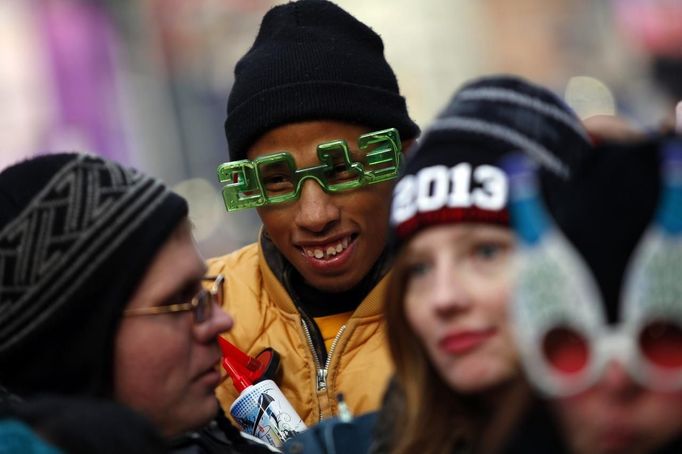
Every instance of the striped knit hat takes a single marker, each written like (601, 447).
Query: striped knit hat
(452, 174)
(77, 233)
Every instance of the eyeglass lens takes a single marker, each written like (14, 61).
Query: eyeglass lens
(568, 351)
(661, 343)
(205, 300)
(202, 310)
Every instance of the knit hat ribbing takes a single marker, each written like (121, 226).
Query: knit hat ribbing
(77, 233)
(484, 120)
(312, 60)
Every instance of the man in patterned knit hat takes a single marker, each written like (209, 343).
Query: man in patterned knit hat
(103, 295)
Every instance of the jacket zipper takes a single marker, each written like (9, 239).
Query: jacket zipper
(322, 371)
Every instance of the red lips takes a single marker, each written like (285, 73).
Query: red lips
(461, 342)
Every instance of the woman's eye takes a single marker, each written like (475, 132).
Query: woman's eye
(488, 251)
(417, 270)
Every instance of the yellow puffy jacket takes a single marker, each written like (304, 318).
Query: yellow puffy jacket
(264, 315)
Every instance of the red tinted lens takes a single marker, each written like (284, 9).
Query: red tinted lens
(566, 350)
(661, 344)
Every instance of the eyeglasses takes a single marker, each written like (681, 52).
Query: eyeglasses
(569, 360)
(274, 178)
(201, 304)
(559, 321)
(565, 340)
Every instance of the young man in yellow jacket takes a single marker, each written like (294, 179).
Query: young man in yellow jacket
(315, 127)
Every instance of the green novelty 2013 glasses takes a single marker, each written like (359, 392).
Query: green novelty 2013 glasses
(274, 178)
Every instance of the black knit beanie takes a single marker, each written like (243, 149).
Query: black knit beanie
(606, 207)
(77, 234)
(452, 174)
(312, 60)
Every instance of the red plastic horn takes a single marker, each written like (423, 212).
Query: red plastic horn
(246, 370)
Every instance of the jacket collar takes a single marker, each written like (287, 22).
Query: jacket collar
(278, 276)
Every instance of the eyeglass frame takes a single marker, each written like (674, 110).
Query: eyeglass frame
(605, 343)
(244, 176)
(215, 296)
(541, 305)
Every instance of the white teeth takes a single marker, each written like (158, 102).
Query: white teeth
(309, 252)
(319, 254)
(331, 251)
(345, 242)
(339, 247)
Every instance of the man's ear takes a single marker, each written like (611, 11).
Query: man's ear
(407, 146)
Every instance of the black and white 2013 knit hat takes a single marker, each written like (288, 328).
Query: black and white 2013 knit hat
(452, 174)
(77, 234)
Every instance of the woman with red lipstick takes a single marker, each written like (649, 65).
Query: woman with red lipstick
(457, 371)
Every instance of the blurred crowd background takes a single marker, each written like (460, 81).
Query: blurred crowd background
(145, 82)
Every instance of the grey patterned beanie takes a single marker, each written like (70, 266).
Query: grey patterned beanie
(77, 234)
